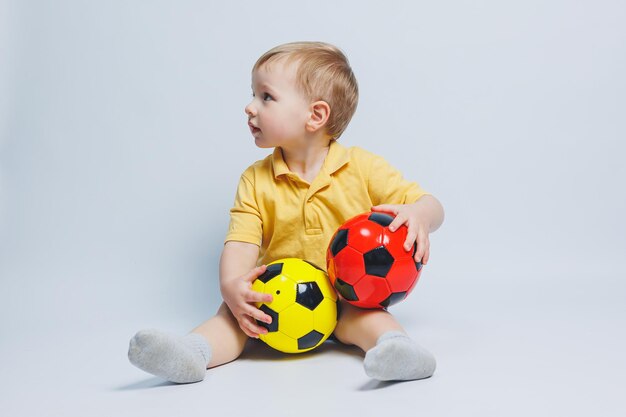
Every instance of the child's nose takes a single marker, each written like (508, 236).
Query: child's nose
(250, 110)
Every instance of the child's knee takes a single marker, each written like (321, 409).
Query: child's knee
(341, 335)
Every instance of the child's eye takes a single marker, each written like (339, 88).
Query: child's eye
(267, 97)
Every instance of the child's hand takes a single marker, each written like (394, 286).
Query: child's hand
(240, 298)
(418, 225)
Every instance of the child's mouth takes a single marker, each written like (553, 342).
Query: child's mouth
(253, 128)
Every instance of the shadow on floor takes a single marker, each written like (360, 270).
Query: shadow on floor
(257, 350)
(153, 382)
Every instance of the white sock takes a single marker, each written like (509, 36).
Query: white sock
(398, 358)
(177, 359)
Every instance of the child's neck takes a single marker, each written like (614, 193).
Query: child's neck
(306, 162)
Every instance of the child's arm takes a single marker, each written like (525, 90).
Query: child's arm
(237, 272)
(422, 217)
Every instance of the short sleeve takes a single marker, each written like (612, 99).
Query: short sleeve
(386, 185)
(245, 218)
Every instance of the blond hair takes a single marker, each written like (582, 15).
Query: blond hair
(323, 73)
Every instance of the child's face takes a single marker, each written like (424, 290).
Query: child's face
(278, 112)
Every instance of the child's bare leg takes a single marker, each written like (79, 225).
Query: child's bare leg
(389, 353)
(223, 334)
(362, 328)
(185, 359)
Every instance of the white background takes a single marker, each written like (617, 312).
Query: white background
(123, 136)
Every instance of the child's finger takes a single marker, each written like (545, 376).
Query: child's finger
(253, 329)
(422, 246)
(258, 297)
(244, 328)
(411, 237)
(397, 222)
(418, 254)
(386, 208)
(255, 273)
(426, 257)
(259, 315)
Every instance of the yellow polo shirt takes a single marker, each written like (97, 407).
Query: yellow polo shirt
(290, 218)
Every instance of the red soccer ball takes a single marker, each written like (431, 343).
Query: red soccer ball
(367, 263)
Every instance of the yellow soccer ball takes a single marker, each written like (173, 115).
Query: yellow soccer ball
(304, 308)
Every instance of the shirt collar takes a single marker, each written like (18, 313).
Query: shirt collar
(336, 158)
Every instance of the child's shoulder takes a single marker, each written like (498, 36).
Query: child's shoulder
(363, 156)
(357, 151)
(258, 167)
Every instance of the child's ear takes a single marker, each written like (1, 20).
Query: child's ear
(320, 112)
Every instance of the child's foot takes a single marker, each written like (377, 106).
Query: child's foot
(398, 358)
(177, 359)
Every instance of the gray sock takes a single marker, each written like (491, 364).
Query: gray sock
(177, 359)
(398, 358)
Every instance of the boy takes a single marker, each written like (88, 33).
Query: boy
(289, 205)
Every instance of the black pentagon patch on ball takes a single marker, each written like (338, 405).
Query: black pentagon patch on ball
(270, 272)
(309, 295)
(314, 266)
(381, 218)
(273, 326)
(346, 290)
(394, 298)
(339, 242)
(310, 339)
(378, 262)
